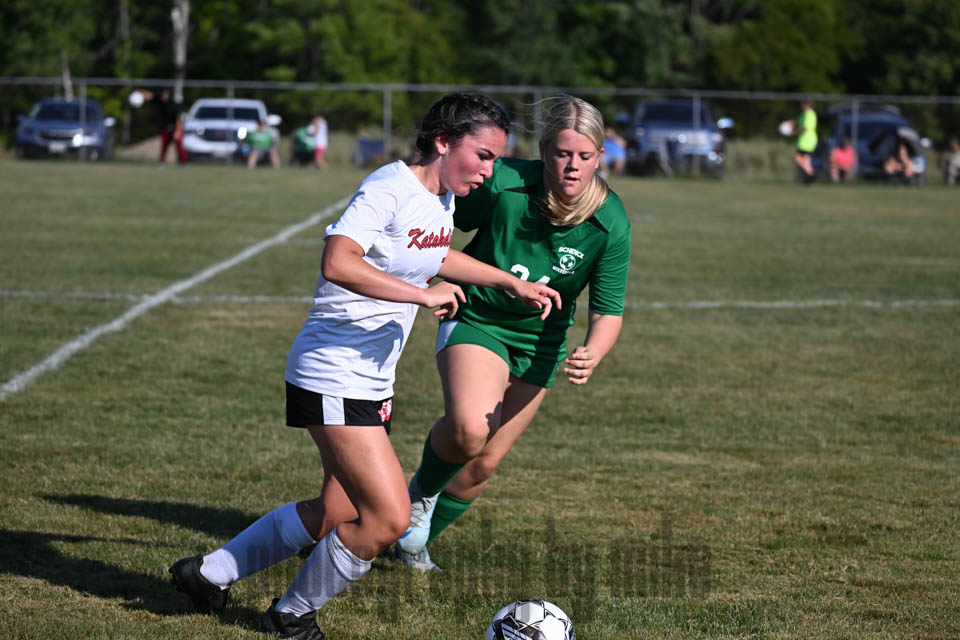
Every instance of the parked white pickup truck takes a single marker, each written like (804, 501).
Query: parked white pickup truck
(217, 127)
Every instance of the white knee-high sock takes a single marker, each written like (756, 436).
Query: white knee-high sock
(274, 537)
(329, 570)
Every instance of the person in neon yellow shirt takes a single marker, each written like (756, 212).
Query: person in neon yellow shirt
(805, 128)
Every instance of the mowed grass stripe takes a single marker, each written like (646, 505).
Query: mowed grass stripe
(65, 352)
(631, 304)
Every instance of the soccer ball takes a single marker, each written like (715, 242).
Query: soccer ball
(530, 620)
(136, 99)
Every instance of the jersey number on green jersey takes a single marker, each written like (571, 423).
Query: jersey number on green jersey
(524, 274)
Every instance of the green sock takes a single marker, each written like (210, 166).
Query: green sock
(435, 473)
(449, 508)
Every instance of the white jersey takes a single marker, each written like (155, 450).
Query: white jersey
(350, 344)
(320, 134)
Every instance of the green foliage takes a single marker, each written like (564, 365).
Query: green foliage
(785, 45)
(908, 47)
(859, 46)
(40, 33)
(891, 46)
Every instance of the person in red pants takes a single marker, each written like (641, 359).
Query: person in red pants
(168, 116)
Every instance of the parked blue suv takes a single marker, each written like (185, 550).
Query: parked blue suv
(57, 127)
(880, 128)
(670, 135)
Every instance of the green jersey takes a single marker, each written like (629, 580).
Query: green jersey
(513, 234)
(807, 141)
(260, 140)
(304, 139)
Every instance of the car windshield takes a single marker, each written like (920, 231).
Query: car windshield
(866, 130)
(62, 111)
(673, 112)
(220, 113)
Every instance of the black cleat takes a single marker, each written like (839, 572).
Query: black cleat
(206, 596)
(288, 625)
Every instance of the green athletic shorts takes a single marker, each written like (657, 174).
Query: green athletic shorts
(526, 361)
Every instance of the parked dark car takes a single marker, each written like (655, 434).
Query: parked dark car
(58, 127)
(880, 129)
(675, 136)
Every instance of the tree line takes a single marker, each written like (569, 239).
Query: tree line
(807, 46)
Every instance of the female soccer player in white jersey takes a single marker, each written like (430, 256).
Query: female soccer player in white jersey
(379, 256)
(549, 220)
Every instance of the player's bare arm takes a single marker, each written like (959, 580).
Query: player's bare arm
(602, 333)
(462, 268)
(343, 265)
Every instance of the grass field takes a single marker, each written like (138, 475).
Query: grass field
(772, 450)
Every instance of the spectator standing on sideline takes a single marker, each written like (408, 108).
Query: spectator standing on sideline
(614, 153)
(261, 141)
(950, 161)
(303, 144)
(171, 128)
(843, 160)
(805, 128)
(319, 141)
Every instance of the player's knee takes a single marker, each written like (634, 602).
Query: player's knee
(482, 469)
(471, 434)
(472, 443)
(391, 526)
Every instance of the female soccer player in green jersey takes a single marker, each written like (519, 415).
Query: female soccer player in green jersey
(552, 220)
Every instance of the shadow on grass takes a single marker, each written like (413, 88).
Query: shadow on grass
(34, 554)
(221, 523)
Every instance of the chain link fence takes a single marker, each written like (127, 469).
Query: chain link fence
(718, 133)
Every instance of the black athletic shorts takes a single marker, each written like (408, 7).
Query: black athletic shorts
(307, 408)
(803, 153)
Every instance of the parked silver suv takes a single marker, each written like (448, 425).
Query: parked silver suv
(676, 135)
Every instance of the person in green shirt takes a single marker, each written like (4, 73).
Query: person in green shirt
(805, 128)
(552, 221)
(303, 145)
(261, 141)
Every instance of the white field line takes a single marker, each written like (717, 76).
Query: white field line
(22, 380)
(130, 297)
(675, 304)
(794, 304)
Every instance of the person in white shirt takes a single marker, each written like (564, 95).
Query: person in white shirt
(379, 257)
(319, 126)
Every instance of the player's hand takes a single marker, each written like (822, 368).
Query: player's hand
(579, 365)
(447, 296)
(537, 296)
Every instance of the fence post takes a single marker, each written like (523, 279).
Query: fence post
(696, 132)
(854, 132)
(127, 115)
(387, 122)
(228, 159)
(81, 152)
